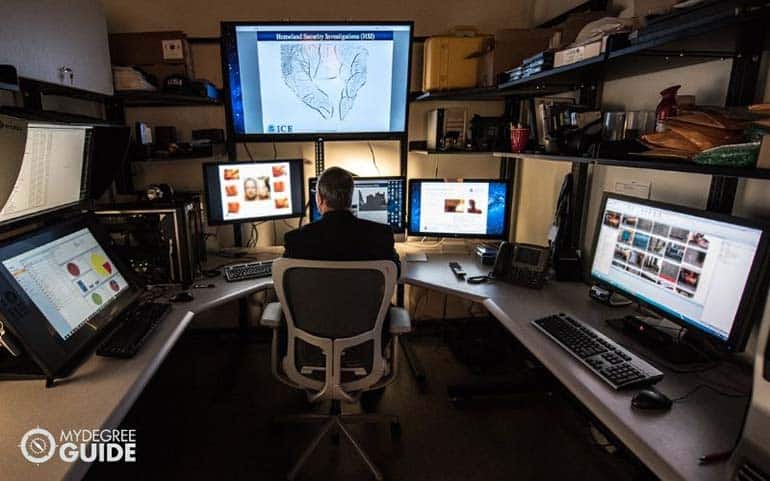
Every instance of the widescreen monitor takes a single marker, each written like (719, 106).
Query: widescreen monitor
(303, 80)
(379, 199)
(471, 208)
(253, 191)
(43, 168)
(696, 268)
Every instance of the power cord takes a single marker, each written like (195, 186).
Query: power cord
(374, 158)
(275, 151)
(697, 388)
(248, 151)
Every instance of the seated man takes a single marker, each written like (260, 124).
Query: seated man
(340, 235)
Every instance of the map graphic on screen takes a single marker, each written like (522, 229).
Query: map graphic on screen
(295, 79)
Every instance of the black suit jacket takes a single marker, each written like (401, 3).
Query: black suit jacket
(341, 236)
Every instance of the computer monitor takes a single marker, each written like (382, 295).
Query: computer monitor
(253, 191)
(302, 80)
(61, 286)
(379, 199)
(43, 167)
(470, 208)
(697, 268)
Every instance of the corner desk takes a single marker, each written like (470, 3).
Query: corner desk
(102, 390)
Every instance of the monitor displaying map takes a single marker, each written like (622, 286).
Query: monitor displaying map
(308, 80)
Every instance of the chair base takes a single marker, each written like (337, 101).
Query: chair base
(334, 423)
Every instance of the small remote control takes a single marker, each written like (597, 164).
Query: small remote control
(457, 269)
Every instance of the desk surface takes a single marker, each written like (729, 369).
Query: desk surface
(102, 390)
(670, 442)
(98, 395)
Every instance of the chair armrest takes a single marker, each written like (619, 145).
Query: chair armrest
(272, 315)
(400, 322)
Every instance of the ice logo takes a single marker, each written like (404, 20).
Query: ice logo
(271, 128)
(37, 445)
(326, 78)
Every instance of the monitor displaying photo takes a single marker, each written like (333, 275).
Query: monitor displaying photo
(692, 266)
(468, 208)
(378, 199)
(251, 191)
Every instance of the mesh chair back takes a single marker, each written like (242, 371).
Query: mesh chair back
(335, 313)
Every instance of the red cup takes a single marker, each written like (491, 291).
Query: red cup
(519, 139)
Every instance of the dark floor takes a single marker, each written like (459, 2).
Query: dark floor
(205, 417)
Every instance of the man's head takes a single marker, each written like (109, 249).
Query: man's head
(334, 190)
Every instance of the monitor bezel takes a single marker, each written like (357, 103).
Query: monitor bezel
(248, 220)
(56, 357)
(311, 199)
(753, 299)
(227, 42)
(507, 221)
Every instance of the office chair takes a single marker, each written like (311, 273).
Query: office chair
(332, 345)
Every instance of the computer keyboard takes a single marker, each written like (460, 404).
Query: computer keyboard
(615, 365)
(134, 328)
(249, 270)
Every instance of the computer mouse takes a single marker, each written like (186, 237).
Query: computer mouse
(183, 296)
(651, 399)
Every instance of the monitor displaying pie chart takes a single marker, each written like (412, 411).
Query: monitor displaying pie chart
(73, 269)
(101, 265)
(97, 299)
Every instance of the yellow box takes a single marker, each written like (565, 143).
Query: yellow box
(452, 62)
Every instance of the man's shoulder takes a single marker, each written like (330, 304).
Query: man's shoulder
(372, 226)
(307, 230)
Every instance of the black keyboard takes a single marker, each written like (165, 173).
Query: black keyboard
(135, 325)
(249, 270)
(611, 362)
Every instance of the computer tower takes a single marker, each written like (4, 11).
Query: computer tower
(446, 129)
(751, 459)
(161, 240)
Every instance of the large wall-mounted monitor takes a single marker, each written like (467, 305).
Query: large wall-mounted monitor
(253, 191)
(43, 168)
(470, 208)
(304, 80)
(699, 269)
(379, 199)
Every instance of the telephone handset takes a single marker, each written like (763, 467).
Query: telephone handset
(522, 264)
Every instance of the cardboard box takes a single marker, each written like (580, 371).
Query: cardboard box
(513, 45)
(577, 54)
(644, 8)
(452, 62)
(160, 54)
(571, 27)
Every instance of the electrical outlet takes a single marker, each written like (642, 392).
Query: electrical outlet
(172, 50)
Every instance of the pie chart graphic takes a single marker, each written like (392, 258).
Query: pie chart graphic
(97, 299)
(101, 265)
(114, 285)
(73, 269)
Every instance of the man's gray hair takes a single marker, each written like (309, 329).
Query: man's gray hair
(336, 187)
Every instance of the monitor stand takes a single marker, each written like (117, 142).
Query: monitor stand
(416, 257)
(18, 368)
(664, 338)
